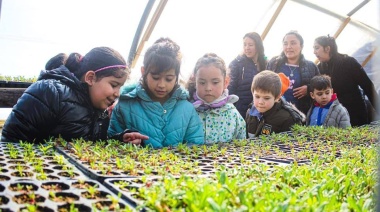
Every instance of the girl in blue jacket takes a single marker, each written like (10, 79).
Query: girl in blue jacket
(158, 106)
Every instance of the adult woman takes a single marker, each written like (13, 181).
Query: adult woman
(244, 67)
(70, 101)
(293, 64)
(346, 77)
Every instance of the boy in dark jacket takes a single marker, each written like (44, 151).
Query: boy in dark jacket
(270, 113)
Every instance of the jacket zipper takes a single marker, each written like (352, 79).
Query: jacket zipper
(242, 76)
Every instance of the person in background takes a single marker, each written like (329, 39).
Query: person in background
(270, 113)
(209, 94)
(327, 110)
(293, 64)
(56, 61)
(244, 67)
(347, 77)
(70, 101)
(158, 106)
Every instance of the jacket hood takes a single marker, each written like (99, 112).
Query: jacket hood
(135, 90)
(296, 114)
(62, 74)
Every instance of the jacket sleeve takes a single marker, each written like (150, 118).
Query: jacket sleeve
(314, 71)
(343, 118)
(364, 82)
(272, 63)
(34, 115)
(240, 130)
(235, 74)
(117, 124)
(194, 133)
(287, 124)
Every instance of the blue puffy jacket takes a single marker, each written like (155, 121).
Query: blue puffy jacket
(174, 122)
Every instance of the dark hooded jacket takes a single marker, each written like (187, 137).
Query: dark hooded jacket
(58, 104)
(346, 77)
(280, 118)
(242, 71)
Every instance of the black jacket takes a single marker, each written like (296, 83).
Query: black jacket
(346, 77)
(242, 71)
(58, 104)
(280, 118)
(308, 71)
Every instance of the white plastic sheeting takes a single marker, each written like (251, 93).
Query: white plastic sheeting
(218, 26)
(33, 31)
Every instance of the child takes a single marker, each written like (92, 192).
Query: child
(270, 113)
(70, 101)
(56, 61)
(158, 106)
(222, 122)
(326, 111)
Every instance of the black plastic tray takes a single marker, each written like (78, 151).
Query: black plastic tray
(42, 195)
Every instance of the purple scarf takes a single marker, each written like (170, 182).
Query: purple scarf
(201, 105)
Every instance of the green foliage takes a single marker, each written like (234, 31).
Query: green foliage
(17, 78)
(339, 173)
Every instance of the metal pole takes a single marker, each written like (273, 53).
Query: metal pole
(144, 17)
(273, 19)
(0, 7)
(149, 30)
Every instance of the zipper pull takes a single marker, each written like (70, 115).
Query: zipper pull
(242, 74)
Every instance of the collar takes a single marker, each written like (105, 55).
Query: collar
(333, 98)
(201, 105)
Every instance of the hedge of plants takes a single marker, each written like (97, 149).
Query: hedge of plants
(306, 169)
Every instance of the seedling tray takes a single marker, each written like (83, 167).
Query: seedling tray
(200, 165)
(92, 173)
(129, 192)
(36, 167)
(54, 195)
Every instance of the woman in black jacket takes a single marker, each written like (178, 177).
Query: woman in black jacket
(347, 75)
(71, 100)
(243, 68)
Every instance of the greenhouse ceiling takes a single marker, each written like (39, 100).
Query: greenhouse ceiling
(33, 31)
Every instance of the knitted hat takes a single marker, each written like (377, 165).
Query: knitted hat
(285, 82)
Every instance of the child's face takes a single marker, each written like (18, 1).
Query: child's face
(263, 100)
(210, 83)
(160, 85)
(323, 97)
(104, 92)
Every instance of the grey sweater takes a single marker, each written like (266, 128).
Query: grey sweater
(337, 116)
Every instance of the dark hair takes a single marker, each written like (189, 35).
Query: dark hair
(56, 61)
(320, 82)
(326, 41)
(205, 60)
(267, 81)
(95, 59)
(162, 56)
(259, 48)
(298, 36)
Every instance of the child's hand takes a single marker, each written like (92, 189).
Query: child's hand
(134, 137)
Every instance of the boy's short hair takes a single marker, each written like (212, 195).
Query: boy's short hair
(320, 82)
(267, 81)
